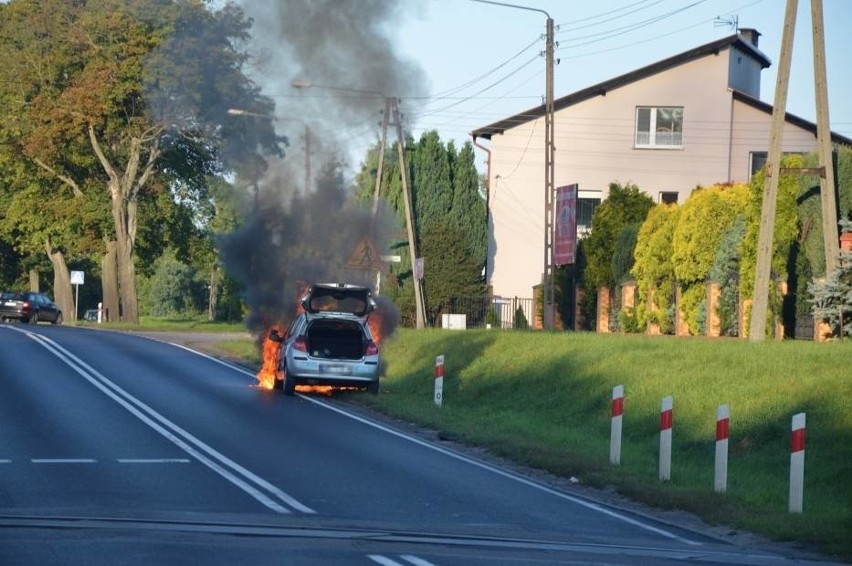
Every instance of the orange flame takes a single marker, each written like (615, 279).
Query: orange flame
(269, 354)
(374, 321)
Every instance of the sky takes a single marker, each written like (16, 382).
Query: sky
(482, 62)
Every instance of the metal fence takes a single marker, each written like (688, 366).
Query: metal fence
(491, 312)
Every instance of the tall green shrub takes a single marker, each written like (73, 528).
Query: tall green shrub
(653, 267)
(704, 218)
(625, 205)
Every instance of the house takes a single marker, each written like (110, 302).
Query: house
(689, 120)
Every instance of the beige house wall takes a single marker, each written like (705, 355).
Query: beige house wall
(594, 142)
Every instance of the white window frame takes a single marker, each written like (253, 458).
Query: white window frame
(656, 138)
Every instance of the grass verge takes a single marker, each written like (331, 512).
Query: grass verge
(543, 400)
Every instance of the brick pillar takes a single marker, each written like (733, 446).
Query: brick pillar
(779, 321)
(628, 295)
(714, 325)
(653, 327)
(681, 327)
(603, 310)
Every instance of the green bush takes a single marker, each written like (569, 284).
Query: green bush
(172, 289)
(653, 267)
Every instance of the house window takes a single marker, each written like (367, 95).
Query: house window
(586, 207)
(659, 126)
(667, 197)
(756, 161)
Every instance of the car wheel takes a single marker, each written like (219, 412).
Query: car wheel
(58, 318)
(33, 318)
(373, 388)
(289, 384)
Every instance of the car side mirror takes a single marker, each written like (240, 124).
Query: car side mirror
(274, 336)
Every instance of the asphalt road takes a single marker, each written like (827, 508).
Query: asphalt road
(120, 449)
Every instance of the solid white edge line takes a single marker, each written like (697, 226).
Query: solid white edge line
(95, 378)
(154, 461)
(500, 472)
(63, 461)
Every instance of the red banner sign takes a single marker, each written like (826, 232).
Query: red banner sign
(565, 225)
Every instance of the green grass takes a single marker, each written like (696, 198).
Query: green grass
(543, 400)
(177, 324)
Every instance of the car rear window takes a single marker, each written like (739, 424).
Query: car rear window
(348, 304)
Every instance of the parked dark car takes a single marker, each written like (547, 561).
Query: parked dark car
(29, 307)
(330, 343)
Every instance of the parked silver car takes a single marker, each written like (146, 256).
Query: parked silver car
(331, 343)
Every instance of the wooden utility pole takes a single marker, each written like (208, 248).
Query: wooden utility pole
(409, 220)
(826, 182)
(382, 145)
(773, 169)
(757, 331)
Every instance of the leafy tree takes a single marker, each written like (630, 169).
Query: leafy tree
(172, 288)
(131, 97)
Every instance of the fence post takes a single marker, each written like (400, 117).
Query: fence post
(797, 463)
(615, 428)
(666, 438)
(721, 475)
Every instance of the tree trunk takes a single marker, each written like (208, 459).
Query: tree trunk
(213, 301)
(62, 294)
(109, 283)
(34, 280)
(124, 191)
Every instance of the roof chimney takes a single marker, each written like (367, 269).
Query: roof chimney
(751, 35)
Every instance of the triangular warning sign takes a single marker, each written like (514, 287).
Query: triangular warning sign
(365, 256)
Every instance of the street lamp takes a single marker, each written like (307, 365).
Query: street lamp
(549, 169)
(391, 106)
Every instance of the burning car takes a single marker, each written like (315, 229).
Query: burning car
(330, 343)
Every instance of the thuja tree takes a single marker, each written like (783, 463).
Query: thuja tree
(653, 267)
(785, 234)
(704, 219)
(832, 297)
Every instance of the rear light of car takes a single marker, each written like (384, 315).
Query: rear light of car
(300, 344)
(371, 349)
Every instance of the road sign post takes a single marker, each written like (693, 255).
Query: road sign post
(77, 279)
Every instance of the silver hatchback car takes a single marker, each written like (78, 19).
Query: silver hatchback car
(331, 343)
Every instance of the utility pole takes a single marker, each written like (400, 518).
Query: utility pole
(826, 182)
(549, 302)
(380, 169)
(409, 221)
(757, 331)
(547, 276)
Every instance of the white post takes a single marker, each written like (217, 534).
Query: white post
(615, 428)
(721, 475)
(439, 380)
(797, 463)
(666, 438)
(100, 313)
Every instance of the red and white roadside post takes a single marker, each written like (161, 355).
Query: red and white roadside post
(721, 476)
(439, 380)
(797, 463)
(615, 428)
(666, 438)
